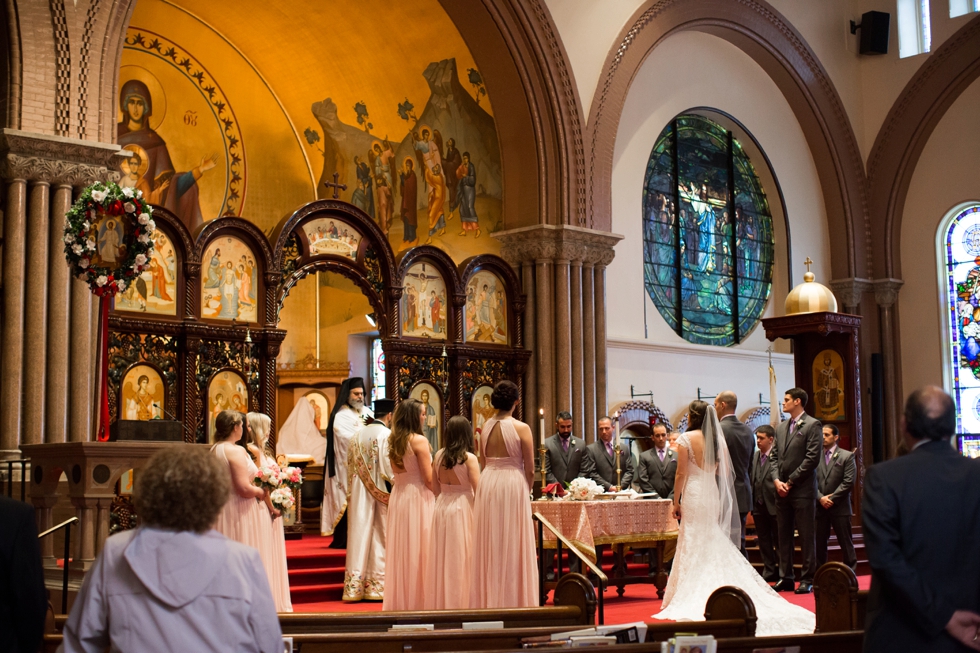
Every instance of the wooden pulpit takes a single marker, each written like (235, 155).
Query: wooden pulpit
(825, 348)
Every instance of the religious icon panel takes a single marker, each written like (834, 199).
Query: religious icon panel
(321, 409)
(155, 290)
(226, 391)
(482, 410)
(486, 309)
(707, 233)
(331, 236)
(143, 394)
(229, 278)
(432, 401)
(828, 386)
(424, 308)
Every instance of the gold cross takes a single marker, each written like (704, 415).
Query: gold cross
(807, 263)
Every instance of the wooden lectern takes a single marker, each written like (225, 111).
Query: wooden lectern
(825, 347)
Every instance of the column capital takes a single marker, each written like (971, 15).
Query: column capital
(57, 160)
(557, 243)
(850, 291)
(886, 291)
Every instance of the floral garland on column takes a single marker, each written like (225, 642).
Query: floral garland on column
(108, 243)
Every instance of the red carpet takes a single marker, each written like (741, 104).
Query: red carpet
(316, 582)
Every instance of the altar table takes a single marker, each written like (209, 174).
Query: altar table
(590, 525)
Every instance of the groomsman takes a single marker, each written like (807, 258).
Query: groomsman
(657, 466)
(835, 479)
(764, 504)
(795, 456)
(562, 461)
(563, 453)
(599, 461)
(740, 443)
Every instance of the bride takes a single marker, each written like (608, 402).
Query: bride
(708, 555)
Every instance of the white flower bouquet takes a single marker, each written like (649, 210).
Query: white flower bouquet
(268, 477)
(282, 499)
(583, 489)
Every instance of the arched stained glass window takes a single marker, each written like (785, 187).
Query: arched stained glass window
(960, 244)
(706, 230)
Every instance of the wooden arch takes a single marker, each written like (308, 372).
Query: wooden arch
(757, 29)
(922, 104)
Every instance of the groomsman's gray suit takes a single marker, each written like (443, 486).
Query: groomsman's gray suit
(764, 514)
(740, 443)
(656, 476)
(795, 456)
(836, 480)
(598, 465)
(560, 465)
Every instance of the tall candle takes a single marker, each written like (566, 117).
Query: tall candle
(541, 413)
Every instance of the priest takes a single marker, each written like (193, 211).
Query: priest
(348, 416)
(369, 474)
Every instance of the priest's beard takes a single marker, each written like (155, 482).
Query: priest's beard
(356, 404)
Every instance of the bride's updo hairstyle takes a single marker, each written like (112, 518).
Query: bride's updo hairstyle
(504, 395)
(696, 412)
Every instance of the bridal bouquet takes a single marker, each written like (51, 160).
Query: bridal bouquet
(292, 478)
(282, 499)
(268, 477)
(583, 489)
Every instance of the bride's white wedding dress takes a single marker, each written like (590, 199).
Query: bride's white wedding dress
(707, 558)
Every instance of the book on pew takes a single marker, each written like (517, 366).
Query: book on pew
(689, 644)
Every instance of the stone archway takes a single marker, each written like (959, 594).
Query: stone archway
(771, 41)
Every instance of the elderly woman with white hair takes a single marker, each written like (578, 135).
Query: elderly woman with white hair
(274, 551)
(174, 584)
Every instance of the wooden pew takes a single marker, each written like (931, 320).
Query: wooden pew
(840, 605)
(729, 613)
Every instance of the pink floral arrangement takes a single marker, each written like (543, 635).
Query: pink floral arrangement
(268, 477)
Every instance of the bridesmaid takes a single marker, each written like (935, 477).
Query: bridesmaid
(274, 551)
(409, 509)
(504, 562)
(456, 474)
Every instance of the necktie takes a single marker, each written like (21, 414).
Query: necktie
(661, 452)
(564, 443)
(609, 449)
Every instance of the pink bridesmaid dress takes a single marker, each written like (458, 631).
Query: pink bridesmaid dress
(246, 520)
(409, 528)
(505, 571)
(451, 549)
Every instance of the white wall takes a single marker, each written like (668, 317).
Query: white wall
(697, 70)
(946, 175)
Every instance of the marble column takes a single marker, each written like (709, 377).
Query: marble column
(531, 386)
(563, 338)
(36, 312)
(600, 339)
(588, 346)
(59, 325)
(544, 339)
(12, 346)
(886, 294)
(578, 380)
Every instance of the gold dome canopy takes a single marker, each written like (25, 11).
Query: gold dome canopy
(810, 296)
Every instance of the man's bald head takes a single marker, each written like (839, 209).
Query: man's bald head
(930, 413)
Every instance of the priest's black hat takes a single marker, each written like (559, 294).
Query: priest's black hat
(383, 407)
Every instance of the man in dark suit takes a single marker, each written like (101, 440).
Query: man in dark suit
(794, 456)
(599, 461)
(562, 461)
(563, 453)
(764, 503)
(740, 443)
(921, 516)
(657, 466)
(23, 599)
(836, 474)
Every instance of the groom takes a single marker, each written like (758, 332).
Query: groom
(794, 457)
